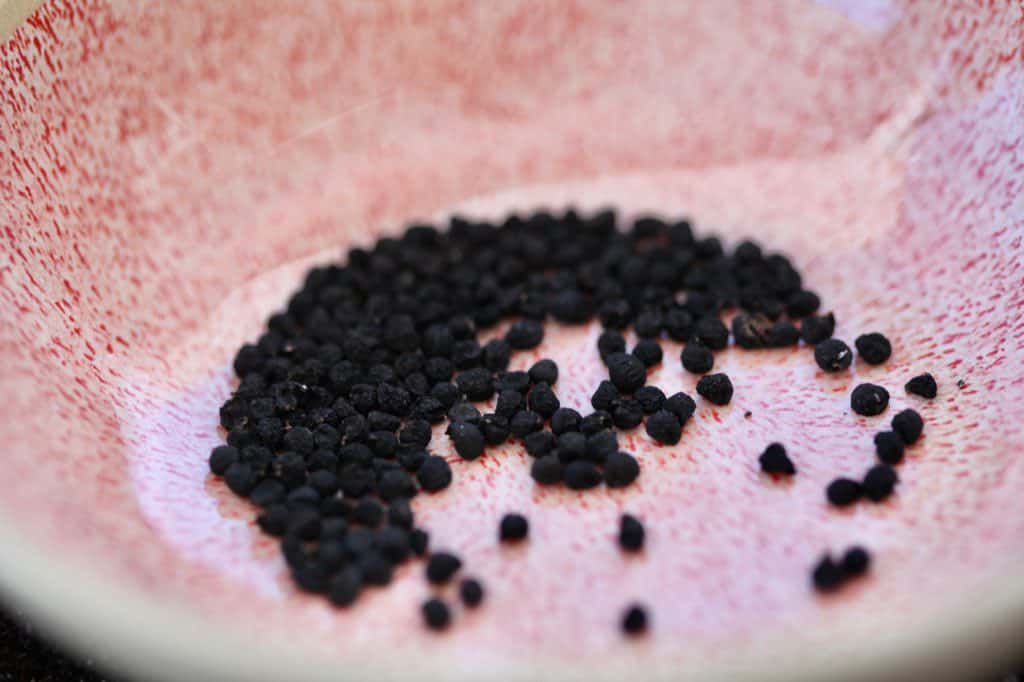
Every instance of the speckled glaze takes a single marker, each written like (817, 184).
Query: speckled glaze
(168, 171)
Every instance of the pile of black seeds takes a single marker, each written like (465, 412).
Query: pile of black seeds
(329, 431)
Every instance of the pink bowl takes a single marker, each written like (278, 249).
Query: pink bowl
(167, 171)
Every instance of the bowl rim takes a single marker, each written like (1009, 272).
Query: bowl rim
(121, 628)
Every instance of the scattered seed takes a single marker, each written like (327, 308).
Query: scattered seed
(697, 359)
(620, 469)
(634, 621)
(631, 533)
(715, 388)
(513, 527)
(874, 348)
(889, 447)
(869, 400)
(879, 482)
(664, 427)
(832, 355)
(436, 614)
(774, 460)
(842, 492)
(908, 424)
(471, 592)
(441, 567)
(923, 385)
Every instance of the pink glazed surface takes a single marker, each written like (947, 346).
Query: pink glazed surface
(168, 171)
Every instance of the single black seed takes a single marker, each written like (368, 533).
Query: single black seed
(310, 576)
(923, 385)
(544, 371)
(634, 621)
(497, 353)
(466, 354)
(436, 614)
(442, 566)
(678, 324)
(817, 328)
(565, 419)
(710, 332)
(620, 469)
(543, 400)
(843, 492)
(304, 524)
(879, 482)
(434, 474)
(494, 428)
(509, 402)
(467, 438)
(827, 575)
(610, 342)
(774, 460)
(572, 445)
(418, 541)
(856, 562)
(605, 397)
(547, 470)
(715, 388)
(650, 398)
(802, 303)
(782, 334)
(525, 422)
(267, 492)
(681, 405)
(471, 592)
(697, 359)
(599, 420)
(626, 372)
(664, 427)
(833, 355)
(581, 475)
(476, 384)
(525, 334)
(274, 520)
(415, 432)
(627, 414)
(395, 484)
(648, 351)
(874, 348)
(222, 457)
(539, 443)
(909, 425)
(368, 513)
(600, 445)
(648, 324)
(343, 589)
(513, 381)
(889, 447)
(240, 478)
(869, 400)
(631, 533)
(750, 331)
(513, 527)
(375, 569)
(400, 513)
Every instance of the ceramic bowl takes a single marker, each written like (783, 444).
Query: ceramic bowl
(167, 171)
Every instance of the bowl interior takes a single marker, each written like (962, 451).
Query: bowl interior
(170, 171)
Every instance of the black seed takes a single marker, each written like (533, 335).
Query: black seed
(476, 384)
(544, 372)
(879, 482)
(222, 457)
(467, 439)
(750, 331)
(525, 422)
(600, 445)
(827, 575)
(343, 589)
(815, 329)
(382, 443)
(267, 492)
(368, 513)
(869, 400)
(774, 460)
(581, 475)
(873, 348)
(310, 576)
(324, 482)
(543, 400)
(598, 420)
(436, 614)
(395, 484)
(923, 385)
(547, 470)
(605, 396)
(400, 513)
(681, 405)
(697, 359)
(889, 447)
(525, 334)
(240, 478)
(442, 566)
(782, 334)
(678, 324)
(415, 432)
(856, 562)
(802, 303)
(467, 354)
(648, 324)
(494, 428)
(393, 544)
(462, 411)
(418, 541)
(626, 372)
(832, 355)
(497, 353)
(715, 388)
(664, 427)
(434, 474)
(513, 381)
(710, 332)
(648, 351)
(843, 492)
(650, 398)
(631, 533)
(610, 342)
(571, 445)
(634, 621)
(571, 307)
(445, 393)
(304, 524)
(274, 520)
(375, 569)
(300, 440)
(539, 443)
(509, 402)
(513, 527)
(565, 419)
(615, 313)
(908, 425)
(471, 592)
(620, 469)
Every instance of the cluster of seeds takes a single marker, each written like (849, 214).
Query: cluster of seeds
(330, 427)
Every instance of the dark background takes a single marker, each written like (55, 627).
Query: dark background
(25, 657)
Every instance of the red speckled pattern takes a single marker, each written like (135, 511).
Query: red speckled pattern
(168, 170)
